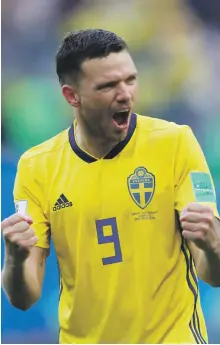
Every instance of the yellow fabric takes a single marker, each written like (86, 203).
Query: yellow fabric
(126, 274)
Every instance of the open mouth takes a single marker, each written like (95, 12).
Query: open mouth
(120, 118)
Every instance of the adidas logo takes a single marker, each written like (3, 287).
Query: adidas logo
(62, 202)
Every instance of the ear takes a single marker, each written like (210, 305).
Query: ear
(71, 95)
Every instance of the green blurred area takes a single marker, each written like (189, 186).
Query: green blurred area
(169, 46)
(33, 111)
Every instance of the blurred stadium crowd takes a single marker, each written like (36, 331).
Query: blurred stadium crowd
(176, 47)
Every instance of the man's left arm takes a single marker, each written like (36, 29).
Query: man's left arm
(201, 229)
(195, 202)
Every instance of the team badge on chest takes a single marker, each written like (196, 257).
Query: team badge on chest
(141, 186)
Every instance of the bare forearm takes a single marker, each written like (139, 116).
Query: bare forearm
(201, 229)
(209, 267)
(24, 263)
(19, 284)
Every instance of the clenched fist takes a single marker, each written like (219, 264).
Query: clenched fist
(18, 234)
(199, 226)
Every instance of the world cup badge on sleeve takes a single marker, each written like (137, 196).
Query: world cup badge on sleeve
(21, 206)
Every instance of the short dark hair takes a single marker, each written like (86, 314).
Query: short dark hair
(78, 46)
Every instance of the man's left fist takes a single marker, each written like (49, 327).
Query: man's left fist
(199, 226)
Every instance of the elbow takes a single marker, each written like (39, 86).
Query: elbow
(215, 283)
(23, 304)
(22, 307)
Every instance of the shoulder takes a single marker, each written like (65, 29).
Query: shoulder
(161, 129)
(47, 148)
(152, 124)
(38, 159)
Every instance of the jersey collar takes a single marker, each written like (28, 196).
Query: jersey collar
(113, 153)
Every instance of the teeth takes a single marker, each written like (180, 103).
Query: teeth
(122, 111)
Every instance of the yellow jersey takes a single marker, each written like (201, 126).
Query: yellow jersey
(127, 275)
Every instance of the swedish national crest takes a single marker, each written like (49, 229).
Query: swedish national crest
(141, 186)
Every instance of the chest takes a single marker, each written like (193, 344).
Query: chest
(133, 186)
(116, 210)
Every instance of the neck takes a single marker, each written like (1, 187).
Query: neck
(96, 146)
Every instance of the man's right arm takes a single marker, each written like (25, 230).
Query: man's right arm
(27, 239)
(24, 264)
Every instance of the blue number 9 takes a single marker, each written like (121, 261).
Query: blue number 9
(114, 238)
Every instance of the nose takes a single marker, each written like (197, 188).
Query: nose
(123, 94)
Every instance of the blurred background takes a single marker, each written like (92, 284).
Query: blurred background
(176, 47)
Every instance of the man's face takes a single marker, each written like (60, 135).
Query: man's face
(107, 92)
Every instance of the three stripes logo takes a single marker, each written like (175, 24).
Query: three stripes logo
(62, 202)
(195, 325)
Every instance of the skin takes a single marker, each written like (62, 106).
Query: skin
(24, 264)
(106, 85)
(94, 100)
(202, 231)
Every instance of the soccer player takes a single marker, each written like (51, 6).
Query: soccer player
(129, 203)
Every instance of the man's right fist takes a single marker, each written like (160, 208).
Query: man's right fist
(16, 230)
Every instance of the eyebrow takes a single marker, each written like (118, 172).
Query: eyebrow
(111, 83)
